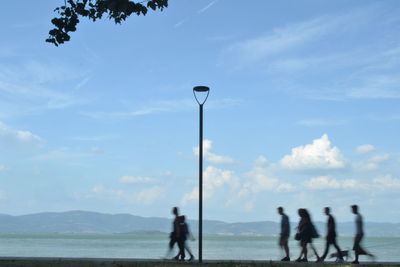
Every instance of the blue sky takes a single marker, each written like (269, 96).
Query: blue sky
(303, 110)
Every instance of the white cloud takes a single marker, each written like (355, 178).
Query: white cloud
(149, 195)
(326, 182)
(371, 164)
(259, 179)
(365, 149)
(318, 155)
(18, 139)
(386, 182)
(213, 179)
(135, 179)
(285, 187)
(145, 196)
(211, 157)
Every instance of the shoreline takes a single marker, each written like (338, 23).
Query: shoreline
(122, 262)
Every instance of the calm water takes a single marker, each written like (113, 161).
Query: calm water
(137, 246)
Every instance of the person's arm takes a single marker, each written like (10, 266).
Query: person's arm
(330, 224)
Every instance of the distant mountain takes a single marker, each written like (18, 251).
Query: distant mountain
(93, 222)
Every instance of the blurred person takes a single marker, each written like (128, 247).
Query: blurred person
(358, 250)
(306, 231)
(175, 234)
(184, 235)
(331, 236)
(284, 234)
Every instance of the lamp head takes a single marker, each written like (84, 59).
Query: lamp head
(201, 90)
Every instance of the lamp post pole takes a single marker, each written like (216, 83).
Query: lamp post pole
(206, 90)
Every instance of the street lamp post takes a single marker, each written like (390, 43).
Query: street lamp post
(204, 90)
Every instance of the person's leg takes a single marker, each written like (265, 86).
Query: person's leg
(357, 248)
(189, 251)
(339, 251)
(327, 245)
(286, 248)
(283, 244)
(305, 252)
(301, 251)
(172, 241)
(181, 244)
(315, 251)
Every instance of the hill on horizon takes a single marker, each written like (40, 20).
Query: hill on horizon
(80, 222)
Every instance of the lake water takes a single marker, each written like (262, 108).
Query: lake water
(155, 246)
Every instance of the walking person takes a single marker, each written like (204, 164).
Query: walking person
(285, 233)
(306, 231)
(174, 235)
(184, 235)
(331, 236)
(358, 250)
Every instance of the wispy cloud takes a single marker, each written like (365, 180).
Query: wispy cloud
(180, 23)
(300, 58)
(320, 122)
(204, 9)
(135, 179)
(292, 37)
(145, 196)
(35, 86)
(158, 107)
(199, 12)
(93, 138)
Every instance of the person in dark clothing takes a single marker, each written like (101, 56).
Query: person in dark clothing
(184, 234)
(331, 236)
(181, 238)
(285, 233)
(358, 250)
(174, 235)
(305, 233)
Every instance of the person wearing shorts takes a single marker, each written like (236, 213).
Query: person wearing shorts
(285, 233)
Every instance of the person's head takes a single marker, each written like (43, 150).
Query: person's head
(280, 210)
(327, 210)
(301, 212)
(175, 211)
(354, 209)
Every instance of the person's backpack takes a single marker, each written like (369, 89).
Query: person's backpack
(183, 227)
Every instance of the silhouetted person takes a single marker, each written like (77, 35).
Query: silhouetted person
(285, 233)
(305, 233)
(358, 250)
(174, 235)
(184, 235)
(331, 236)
